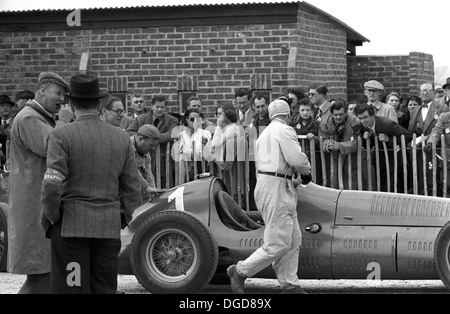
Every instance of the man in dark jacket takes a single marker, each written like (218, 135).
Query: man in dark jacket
(90, 189)
(165, 123)
(383, 129)
(423, 120)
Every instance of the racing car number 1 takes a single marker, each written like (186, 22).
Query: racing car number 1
(178, 196)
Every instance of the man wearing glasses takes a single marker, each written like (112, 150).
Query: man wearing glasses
(111, 110)
(373, 90)
(318, 96)
(423, 120)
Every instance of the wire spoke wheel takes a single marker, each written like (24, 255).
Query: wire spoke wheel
(171, 255)
(173, 252)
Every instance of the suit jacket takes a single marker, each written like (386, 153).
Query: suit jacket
(442, 128)
(435, 110)
(165, 125)
(390, 128)
(249, 117)
(91, 178)
(348, 144)
(445, 100)
(324, 113)
(125, 123)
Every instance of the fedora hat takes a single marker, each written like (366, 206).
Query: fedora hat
(446, 84)
(4, 99)
(85, 87)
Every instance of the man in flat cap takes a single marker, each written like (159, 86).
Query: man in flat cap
(145, 140)
(279, 155)
(373, 90)
(28, 249)
(90, 189)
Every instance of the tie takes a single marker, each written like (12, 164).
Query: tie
(155, 122)
(242, 118)
(319, 115)
(4, 124)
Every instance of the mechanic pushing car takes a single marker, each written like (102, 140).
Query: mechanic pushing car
(279, 156)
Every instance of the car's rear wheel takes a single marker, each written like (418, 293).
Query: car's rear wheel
(442, 254)
(173, 252)
(3, 236)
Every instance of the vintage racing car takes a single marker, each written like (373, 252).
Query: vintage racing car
(181, 240)
(191, 233)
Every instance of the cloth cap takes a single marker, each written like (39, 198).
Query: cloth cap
(374, 85)
(279, 107)
(4, 99)
(50, 77)
(149, 131)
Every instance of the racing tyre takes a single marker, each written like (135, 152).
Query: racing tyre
(173, 252)
(3, 236)
(442, 254)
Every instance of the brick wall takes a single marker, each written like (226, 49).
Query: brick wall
(403, 74)
(214, 60)
(321, 54)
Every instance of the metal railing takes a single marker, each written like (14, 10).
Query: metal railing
(399, 165)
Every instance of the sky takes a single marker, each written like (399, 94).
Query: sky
(394, 27)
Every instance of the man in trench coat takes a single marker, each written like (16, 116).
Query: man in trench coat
(28, 249)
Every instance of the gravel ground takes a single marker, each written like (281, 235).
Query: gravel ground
(10, 284)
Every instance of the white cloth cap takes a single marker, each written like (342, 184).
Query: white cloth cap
(279, 107)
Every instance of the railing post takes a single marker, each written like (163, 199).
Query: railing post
(424, 165)
(414, 165)
(369, 163)
(359, 162)
(444, 165)
(388, 168)
(377, 162)
(405, 164)
(434, 161)
(394, 140)
(322, 156)
(158, 165)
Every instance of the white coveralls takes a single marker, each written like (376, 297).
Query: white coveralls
(278, 151)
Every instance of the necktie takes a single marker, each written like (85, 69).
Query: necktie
(155, 122)
(4, 124)
(242, 117)
(319, 115)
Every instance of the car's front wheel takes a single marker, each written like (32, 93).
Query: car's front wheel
(442, 254)
(173, 252)
(3, 236)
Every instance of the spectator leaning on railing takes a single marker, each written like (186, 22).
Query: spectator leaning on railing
(340, 133)
(383, 129)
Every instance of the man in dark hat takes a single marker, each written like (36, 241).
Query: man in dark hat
(6, 106)
(90, 189)
(28, 249)
(446, 88)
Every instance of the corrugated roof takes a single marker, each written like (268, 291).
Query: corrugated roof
(352, 35)
(148, 4)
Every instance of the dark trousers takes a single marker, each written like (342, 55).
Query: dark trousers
(97, 260)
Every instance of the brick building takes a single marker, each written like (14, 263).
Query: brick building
(207, 50)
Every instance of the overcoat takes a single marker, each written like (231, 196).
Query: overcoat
(28, 249)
